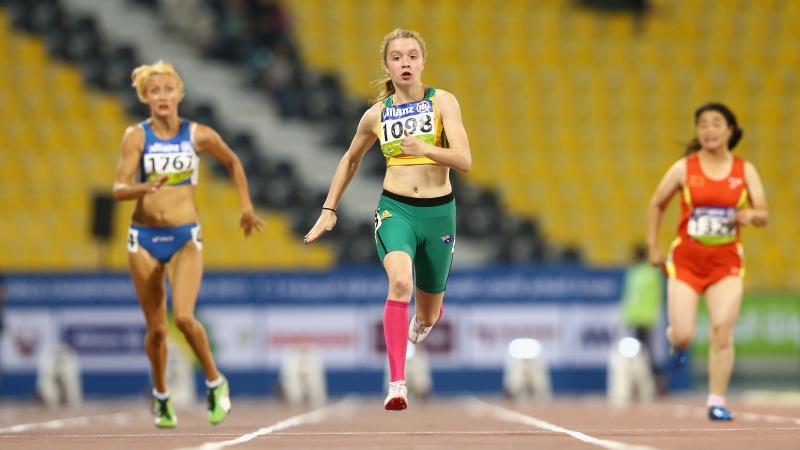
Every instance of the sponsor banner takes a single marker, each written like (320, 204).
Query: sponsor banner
(768, 327)
(253, 319)
(375, 355)
(517, 284)
(232, 335)
(589, 331)
(30, 335)
(346, 337)
(336, 334)
(527, 284)
(25, 290)
(106, 339)
(444, 347)
(488, 331)
(570, 335)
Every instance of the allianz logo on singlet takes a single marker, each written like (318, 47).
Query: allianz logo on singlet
(160, 147)
(393, 112)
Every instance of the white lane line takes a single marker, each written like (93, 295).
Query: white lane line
(479, 408)
(612, 431)
(120, 435)
(345, 407)
(771, 398)
(119, 418)
(604, 431)
(684, 411)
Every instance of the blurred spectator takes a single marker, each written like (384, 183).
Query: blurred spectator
(242, 28)
(277, 76)
(2, 302)
(192, 19)
(2, 317)
(270, 25)
(642, 299)
(639, 9)
(231, 29)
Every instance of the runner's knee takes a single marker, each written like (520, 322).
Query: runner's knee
(157, 334)
(400, 286)
(682, 336)
(721, 336)
(185, 322)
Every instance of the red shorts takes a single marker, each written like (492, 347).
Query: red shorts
(700, 265)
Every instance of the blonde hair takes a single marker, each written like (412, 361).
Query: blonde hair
(141, 74)
(386, 85)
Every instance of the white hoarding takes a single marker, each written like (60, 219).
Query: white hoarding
(30, 334)
(232, 334)
(337, 334)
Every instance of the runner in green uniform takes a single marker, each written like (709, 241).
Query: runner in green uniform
(422, 137)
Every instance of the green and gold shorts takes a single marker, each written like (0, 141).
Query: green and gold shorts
(425, 228)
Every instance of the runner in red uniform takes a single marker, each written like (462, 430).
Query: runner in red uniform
(719, 194)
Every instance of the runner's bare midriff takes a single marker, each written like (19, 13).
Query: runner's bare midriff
(169, 206)
(422, 181)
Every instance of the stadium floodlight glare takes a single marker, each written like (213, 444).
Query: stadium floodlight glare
(524, 348)
(410, 350)
(629, 347)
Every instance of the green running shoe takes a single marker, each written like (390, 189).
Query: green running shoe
(165, 415)
(219, 402)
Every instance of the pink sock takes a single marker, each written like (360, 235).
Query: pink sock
(715, 400)
(395, 331)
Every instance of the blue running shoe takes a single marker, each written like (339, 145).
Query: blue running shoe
(719, 413)
(679, 356)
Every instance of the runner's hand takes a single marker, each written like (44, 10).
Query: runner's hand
(744, 216)
(411, 145)
(655, 257)
(248, 221)
(155, 184)
(325, 223)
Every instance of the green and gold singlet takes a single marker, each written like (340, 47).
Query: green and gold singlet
(421, 119)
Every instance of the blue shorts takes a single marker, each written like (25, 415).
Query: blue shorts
(163, 242)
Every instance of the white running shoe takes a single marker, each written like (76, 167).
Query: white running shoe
(417, 332)
(397, 400)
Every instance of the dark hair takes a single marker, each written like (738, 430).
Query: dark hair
(730, 119)
(639, 252)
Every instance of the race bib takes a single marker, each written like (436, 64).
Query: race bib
(177, 161)
(713, 225)
(415, 118)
